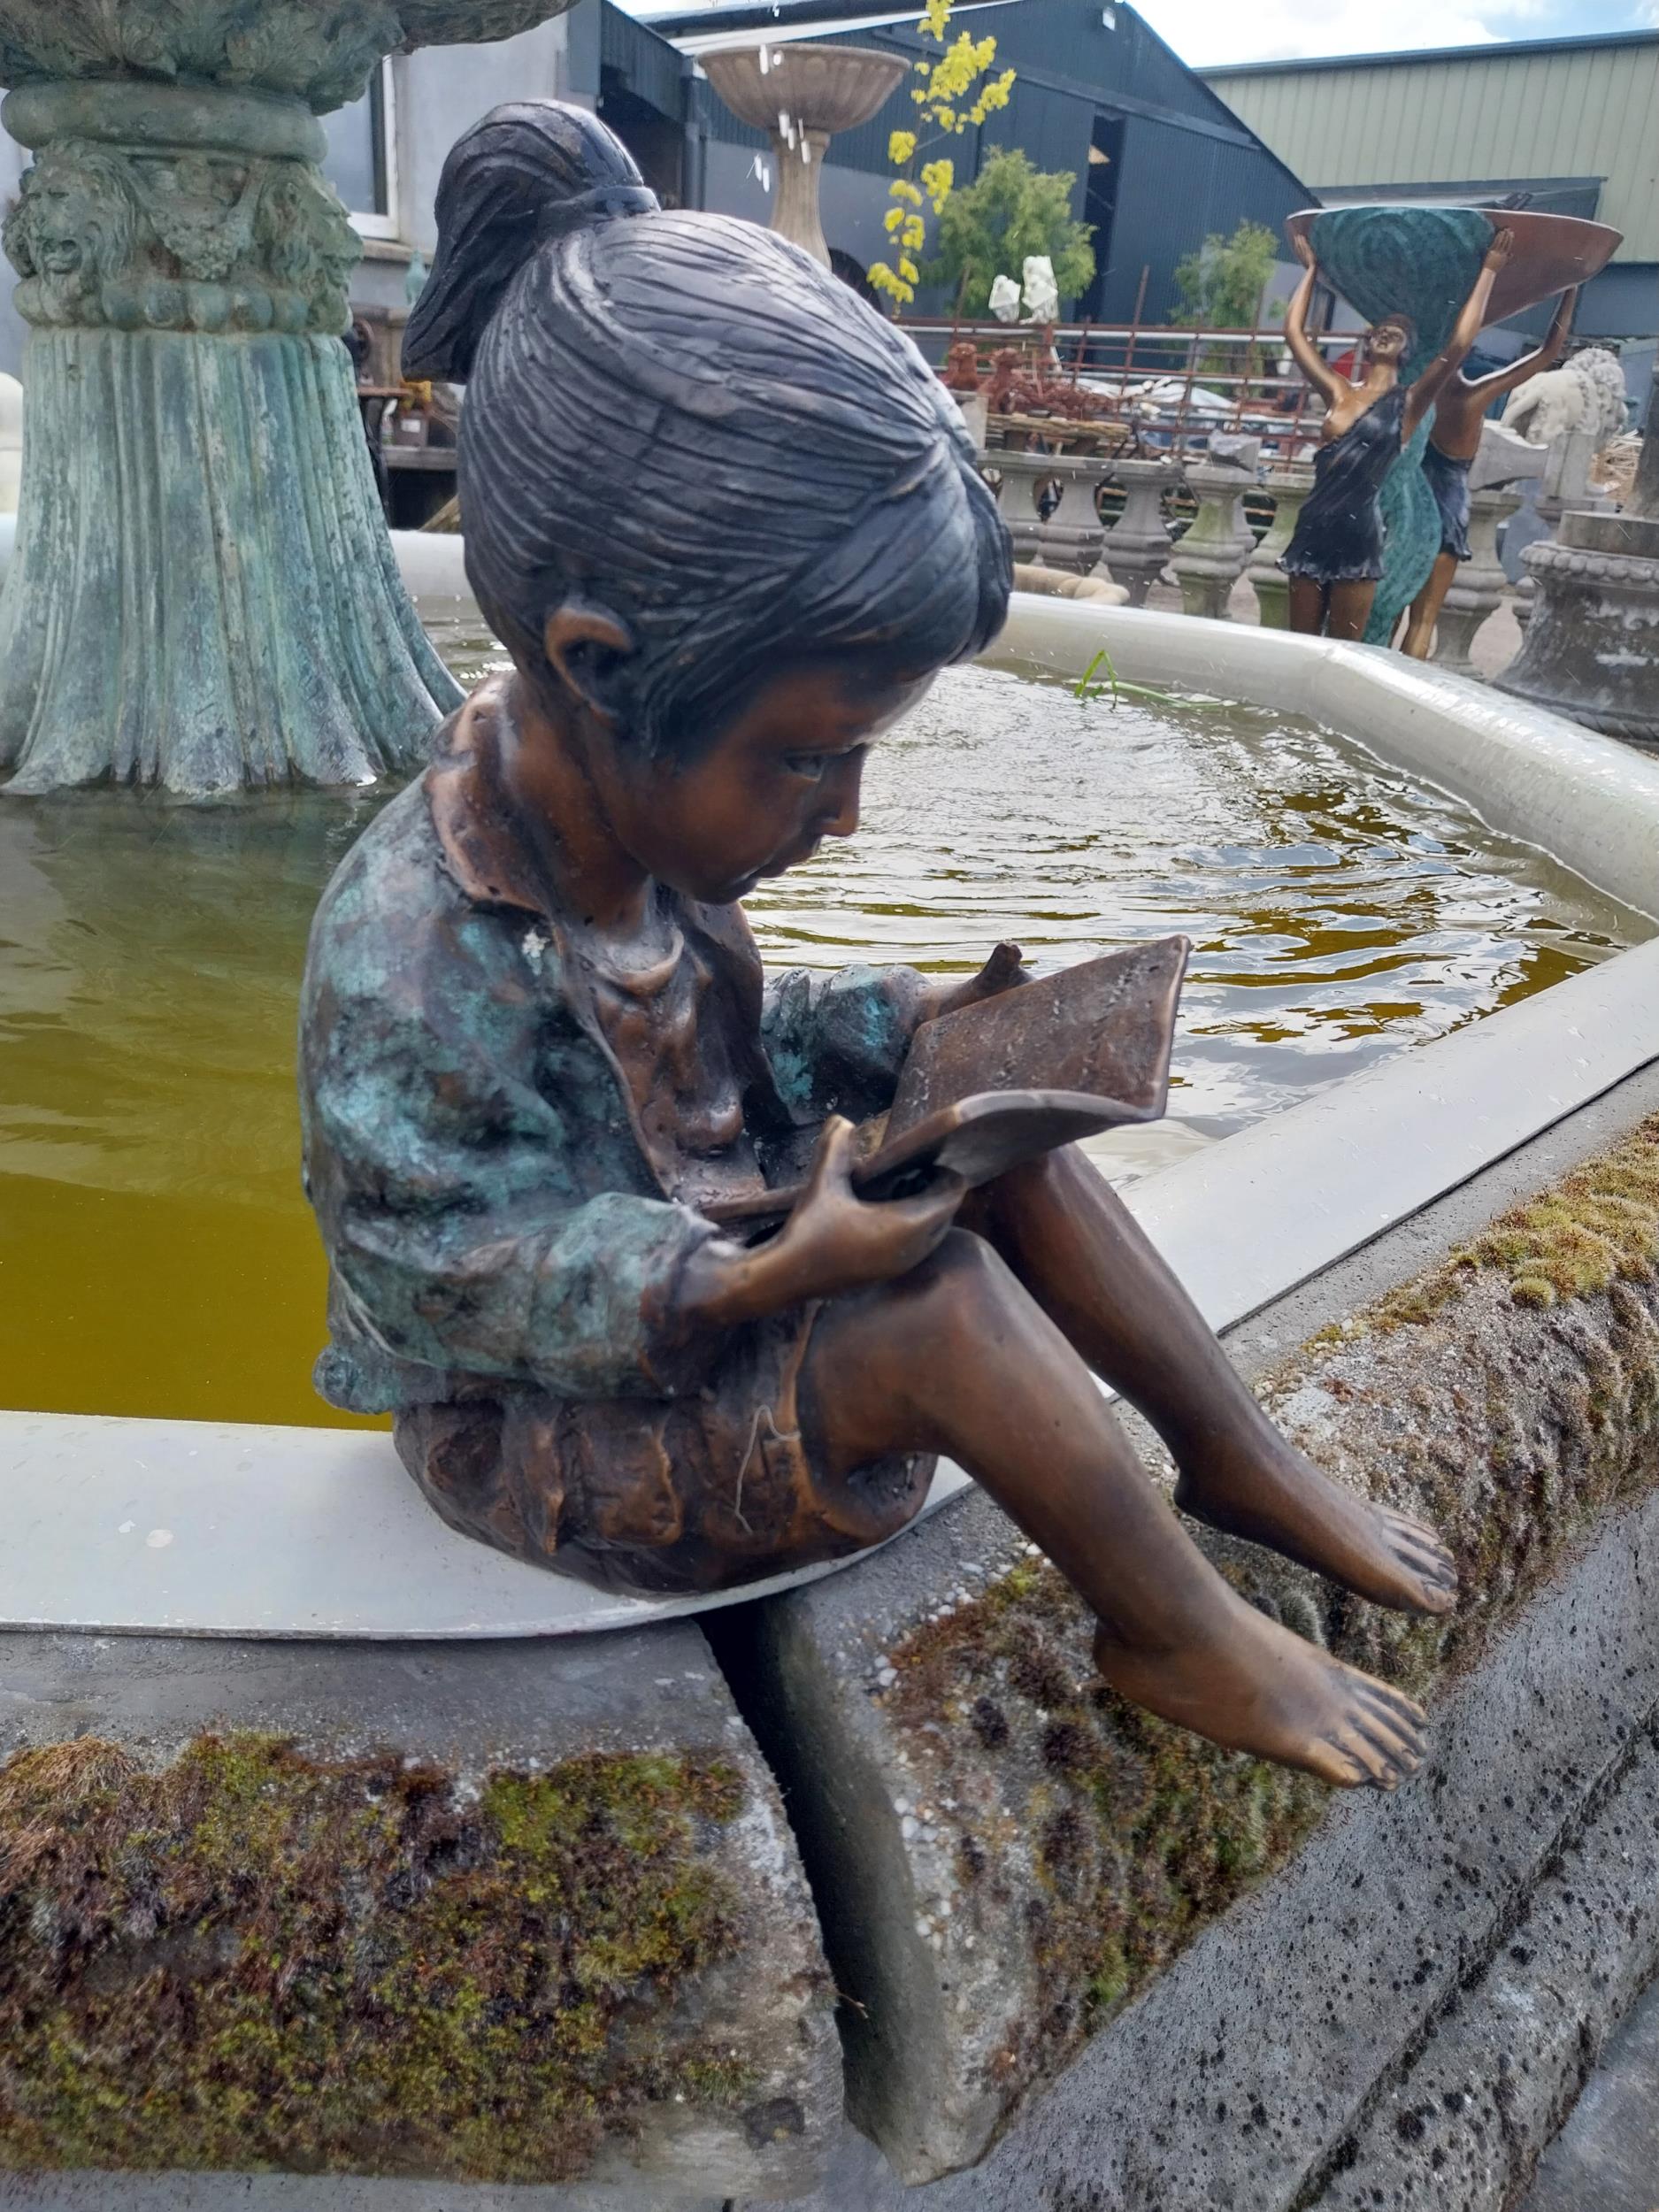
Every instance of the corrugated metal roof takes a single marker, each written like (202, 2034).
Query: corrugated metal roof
(1482, 52)
(1550, 108)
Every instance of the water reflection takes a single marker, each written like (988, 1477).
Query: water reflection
(157, 1256)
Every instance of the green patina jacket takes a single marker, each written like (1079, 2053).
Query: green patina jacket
(491, 1210)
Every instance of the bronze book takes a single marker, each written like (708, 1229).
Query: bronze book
(1060, 1057)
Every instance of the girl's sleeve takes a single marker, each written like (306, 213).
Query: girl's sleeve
(442, 1176)
(836, 1042)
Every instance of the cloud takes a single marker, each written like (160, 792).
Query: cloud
(1207, 33)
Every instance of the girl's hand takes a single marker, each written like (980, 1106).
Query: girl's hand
(836, 1241)
(1304, 251)
(1499, 251)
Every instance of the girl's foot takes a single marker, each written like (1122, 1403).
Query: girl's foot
(1250, 1685)
(1273, 1494)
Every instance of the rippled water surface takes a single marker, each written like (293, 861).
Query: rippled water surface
(156, 1255)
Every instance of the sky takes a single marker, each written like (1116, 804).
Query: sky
(1207, 33)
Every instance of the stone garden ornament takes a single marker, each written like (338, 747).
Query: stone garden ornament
(203, 596)
(673, 1276)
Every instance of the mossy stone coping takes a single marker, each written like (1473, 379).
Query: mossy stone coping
(1509, 1396)
(251, 1959)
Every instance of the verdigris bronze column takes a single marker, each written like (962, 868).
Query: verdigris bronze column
(203, 596)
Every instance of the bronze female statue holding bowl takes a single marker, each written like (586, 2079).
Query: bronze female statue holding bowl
(1454, 440)
(728, 526)
(1335, 557)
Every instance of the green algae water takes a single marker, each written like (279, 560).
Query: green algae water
(157, 1256)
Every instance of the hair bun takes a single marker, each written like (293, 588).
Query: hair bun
(531, 171)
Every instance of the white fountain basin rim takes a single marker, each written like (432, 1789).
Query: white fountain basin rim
(229, 1529)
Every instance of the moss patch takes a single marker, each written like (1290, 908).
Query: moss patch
(251, 1959)
(1599, 1224)
(1138, 1833)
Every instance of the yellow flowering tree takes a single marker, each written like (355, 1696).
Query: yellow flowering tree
(955, 88)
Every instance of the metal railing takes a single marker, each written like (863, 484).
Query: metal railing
(1169, 388)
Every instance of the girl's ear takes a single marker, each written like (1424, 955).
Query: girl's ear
(588, 650)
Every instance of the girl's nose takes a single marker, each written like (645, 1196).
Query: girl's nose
(844, 794)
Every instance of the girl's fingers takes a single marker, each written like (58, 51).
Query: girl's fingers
(832, 1161)
(935, 1207)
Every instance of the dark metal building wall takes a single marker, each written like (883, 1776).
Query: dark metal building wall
(1189, 166)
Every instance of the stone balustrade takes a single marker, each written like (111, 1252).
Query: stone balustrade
(1071, 536)
(1137, 549)
(1477, 590)
(1288, 488)
(1211, 559)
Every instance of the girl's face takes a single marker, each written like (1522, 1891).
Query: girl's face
(1386, 342)
(776, 781)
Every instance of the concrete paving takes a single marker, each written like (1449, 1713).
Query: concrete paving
(1606, 2159)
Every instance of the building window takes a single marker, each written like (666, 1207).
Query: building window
(361, 162)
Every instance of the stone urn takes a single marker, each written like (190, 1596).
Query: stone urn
(801, 96)
(1137, 549)
(1591, 648)
(1211, 557)
(203, 596)
(1477, 590)
(1289, 487)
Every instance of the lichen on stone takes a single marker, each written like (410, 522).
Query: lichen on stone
(251, 1959)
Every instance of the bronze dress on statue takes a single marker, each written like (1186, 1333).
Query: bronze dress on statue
(507, 1140)
(1339, 534)
(1449, 481)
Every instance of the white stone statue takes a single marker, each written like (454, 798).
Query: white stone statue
(1587, 393)
(1005, 299)
(1042, 294)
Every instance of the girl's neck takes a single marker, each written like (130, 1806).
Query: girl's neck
(1380, 377)
(547, 780)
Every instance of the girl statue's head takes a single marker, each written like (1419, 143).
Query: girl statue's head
(1392, 340)
(689, 458)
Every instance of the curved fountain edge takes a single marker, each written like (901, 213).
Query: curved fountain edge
(343, 1547)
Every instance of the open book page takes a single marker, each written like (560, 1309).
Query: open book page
(1046, 1064)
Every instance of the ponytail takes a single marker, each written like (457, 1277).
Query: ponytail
(684, 420)
(530, 172)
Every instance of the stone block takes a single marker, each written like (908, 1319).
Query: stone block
(507, 1913)
(1010, 1862)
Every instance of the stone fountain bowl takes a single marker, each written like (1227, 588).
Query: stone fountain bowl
(309, 49)
(1550, 252)
(818, 87)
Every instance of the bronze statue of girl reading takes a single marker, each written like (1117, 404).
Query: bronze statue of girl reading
(1335, 557)
(729, 528)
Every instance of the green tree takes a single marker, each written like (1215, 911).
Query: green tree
(1221, 285)
(988, 228)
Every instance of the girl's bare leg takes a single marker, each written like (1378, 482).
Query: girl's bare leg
(1075, 1245)
(1426, 608)
(1307, 605)
(1350, 610)
(959, 1357)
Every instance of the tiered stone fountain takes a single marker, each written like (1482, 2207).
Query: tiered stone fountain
(203, 596)
(801, 96)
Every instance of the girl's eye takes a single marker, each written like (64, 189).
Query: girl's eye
(810, 766)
